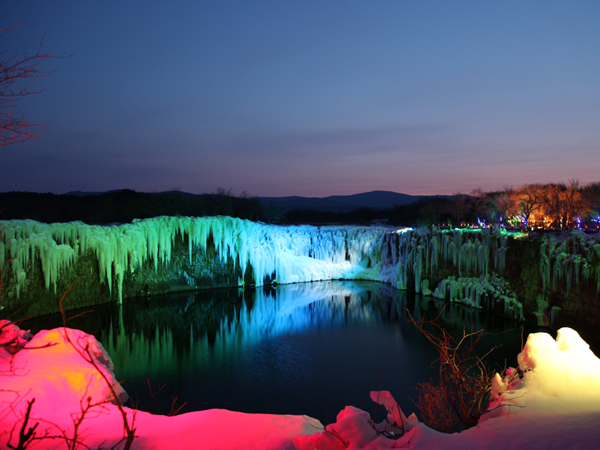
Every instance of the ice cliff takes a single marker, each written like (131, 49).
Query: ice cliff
(272, 254)
(464, 265)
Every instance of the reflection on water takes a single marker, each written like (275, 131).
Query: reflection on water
(309, 348)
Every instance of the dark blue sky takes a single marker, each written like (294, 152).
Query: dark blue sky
(310, 98)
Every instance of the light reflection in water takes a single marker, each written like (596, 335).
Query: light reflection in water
(309, 348)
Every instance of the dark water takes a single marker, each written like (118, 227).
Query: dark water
(309, 348)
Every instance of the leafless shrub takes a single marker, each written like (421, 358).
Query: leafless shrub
(462, 395)
(435, 408)
(158, 405)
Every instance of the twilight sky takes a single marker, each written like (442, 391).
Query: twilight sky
(310, 98)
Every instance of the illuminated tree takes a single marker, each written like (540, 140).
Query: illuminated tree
(507, 203)
(591, 195)
(19, 74)
(531, 199)
(553, 206)
(575, 204)
(562, 203)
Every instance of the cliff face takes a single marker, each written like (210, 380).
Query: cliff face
(163, 254)
(559, 280)
(516, 275)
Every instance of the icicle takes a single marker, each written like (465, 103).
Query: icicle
(292, 254)
(425, 287)
(417, 268)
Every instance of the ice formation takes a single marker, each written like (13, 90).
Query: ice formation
(280, 254)
(572, 259)
(283, 254)
(479, 252)
(482, 292)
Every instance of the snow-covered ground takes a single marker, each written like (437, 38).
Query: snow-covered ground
(556, 404)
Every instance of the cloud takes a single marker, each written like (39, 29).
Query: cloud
(339, 142)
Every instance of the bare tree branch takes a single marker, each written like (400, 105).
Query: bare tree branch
(19, 74)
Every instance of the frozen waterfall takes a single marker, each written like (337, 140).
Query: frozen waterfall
(280, 254)
(254, 253)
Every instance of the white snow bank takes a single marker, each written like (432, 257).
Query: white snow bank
(56, 375)
(52, 372)
(565, 366)
(555, 405)
(219, 429)
(354, 428)
(12, 338)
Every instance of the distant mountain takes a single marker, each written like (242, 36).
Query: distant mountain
(334, 203)
(83, 194)
(342, 203)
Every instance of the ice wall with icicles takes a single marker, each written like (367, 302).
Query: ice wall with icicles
(477, 256)
(405, 258)
(283, 254)
(571, 259)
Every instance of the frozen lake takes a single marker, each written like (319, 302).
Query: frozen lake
(307, 348)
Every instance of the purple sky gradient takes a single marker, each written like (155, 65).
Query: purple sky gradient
(310, 98)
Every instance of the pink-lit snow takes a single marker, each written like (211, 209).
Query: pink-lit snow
(556, 404)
